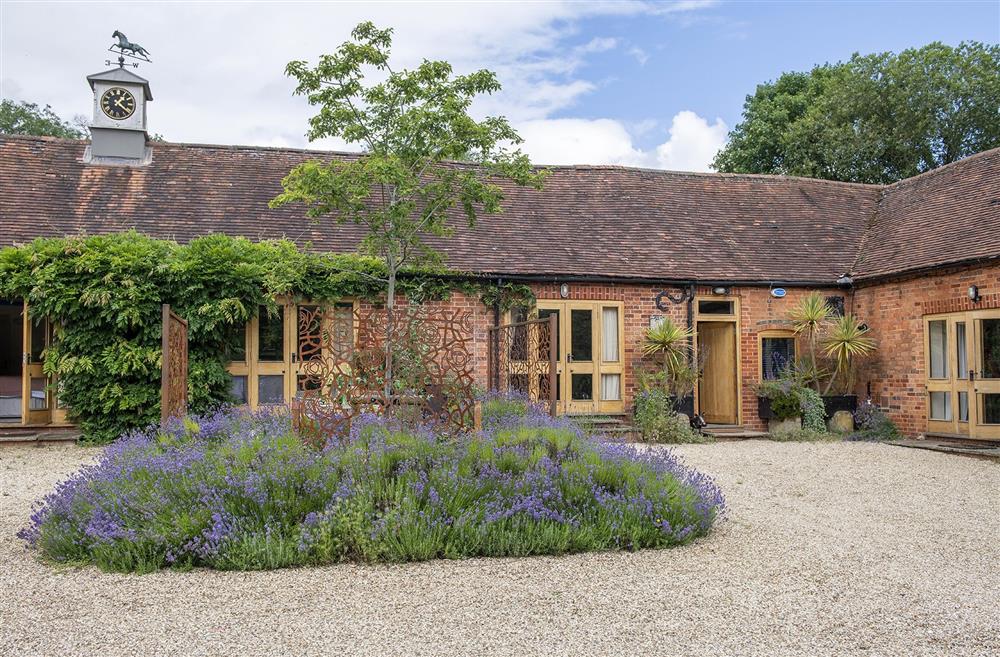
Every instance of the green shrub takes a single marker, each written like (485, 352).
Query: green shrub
(873, 425)
(804, 435)
(812, 409)
(104, 294)
(658, 422)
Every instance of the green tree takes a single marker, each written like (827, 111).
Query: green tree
(423, 154)
(876, 119)
(20, 118)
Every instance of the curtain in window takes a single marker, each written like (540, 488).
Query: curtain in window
(611, 387)
(939, 349)
(610, 332)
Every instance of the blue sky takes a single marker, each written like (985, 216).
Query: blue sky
(632, 82)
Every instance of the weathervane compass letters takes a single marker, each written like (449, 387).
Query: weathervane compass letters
(125, 48)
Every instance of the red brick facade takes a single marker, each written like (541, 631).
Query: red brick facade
(894, 311)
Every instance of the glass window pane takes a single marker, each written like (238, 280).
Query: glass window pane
(963, 407)
(990, 344)
(236, 343)
(307, 383)
(776, 354)
(271, 389)
(611, 387)
(961, 352)
(941, 406)
(309, 329)
(271, 335)
(37, 340)
(238, 388)
(990, 405)
(39, 395)
(715, 307)
(939, 349)
(582, 335)
(518, 383)
(544, 314)
(583, 386)
(609, 335)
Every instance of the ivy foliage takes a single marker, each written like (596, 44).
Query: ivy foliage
(104, 296)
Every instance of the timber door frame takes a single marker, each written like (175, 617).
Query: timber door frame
(734, 318)
(957, 380)
(32, 369)
(981, 385)
(596, 366)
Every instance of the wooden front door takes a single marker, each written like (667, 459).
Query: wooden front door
(718, 402)
(589, 362)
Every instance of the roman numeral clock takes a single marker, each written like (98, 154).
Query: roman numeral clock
(118, 130)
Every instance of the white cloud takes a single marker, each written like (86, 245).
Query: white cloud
(218, 68)
(640, 55)
(691, 145)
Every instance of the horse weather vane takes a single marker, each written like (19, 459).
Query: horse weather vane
(125, 48)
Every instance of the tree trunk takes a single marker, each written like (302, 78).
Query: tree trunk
(390, 332)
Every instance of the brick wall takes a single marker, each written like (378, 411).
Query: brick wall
(894, 311)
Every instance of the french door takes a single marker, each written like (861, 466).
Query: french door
(272, 363)
(590, 355)
(963, 373)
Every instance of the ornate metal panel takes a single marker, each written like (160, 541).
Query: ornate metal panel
(174, 368)
(342, 368)
(522, 358)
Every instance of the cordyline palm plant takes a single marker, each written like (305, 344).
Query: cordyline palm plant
(670, 342)
(846, 341)
(808, 317)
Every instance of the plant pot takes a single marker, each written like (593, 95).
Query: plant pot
(684, 405)
(764, 408)
(834, 403)
(784, 426)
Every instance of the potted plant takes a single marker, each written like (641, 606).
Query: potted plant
(844, 343)
(780, 404)
(669, 345)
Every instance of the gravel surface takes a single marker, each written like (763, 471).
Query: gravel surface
(828, 549)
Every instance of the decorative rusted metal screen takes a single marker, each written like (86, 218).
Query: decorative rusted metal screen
(174, 368)
(522, 358)
(341, 368)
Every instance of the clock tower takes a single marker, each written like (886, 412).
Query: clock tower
(118, 131)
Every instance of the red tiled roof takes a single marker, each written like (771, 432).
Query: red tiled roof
(589, 221)
(945, 216)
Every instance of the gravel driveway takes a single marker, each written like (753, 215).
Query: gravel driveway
(828, 549)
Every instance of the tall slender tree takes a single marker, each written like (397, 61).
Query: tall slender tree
(423, 153)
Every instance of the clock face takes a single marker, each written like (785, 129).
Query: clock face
(118, 103)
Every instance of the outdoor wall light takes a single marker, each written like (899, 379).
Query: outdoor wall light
(564, 291)
(974, 293)
(720, 290)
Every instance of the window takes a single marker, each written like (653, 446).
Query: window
(777, 353)
(271, 335)
(236, 343)
(581, 336)
(938, 345)
(941, 406)
(836, 305)
(611, 387)
(962, 356)
(715, 307)
(609, 332)
(238, 388)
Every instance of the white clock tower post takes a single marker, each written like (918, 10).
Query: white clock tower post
(118, 131)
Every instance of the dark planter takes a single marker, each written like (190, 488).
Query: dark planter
(834, 403)
(764, 408)
(684, 405)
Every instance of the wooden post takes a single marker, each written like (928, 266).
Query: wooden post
(165, 364)
(553, 357)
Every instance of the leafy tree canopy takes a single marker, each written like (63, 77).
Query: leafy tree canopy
(414, 127)
(20, 118)
(875, 119)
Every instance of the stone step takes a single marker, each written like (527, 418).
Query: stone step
(37, 435)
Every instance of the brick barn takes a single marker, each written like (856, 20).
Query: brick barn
(610, 249)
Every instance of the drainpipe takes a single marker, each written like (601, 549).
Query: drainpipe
(690, 321)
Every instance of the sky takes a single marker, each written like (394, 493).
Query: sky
(652, 84)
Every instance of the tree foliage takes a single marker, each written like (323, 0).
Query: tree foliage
(20, 118)
(423, 153)
(876, 118)
(104, 296)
